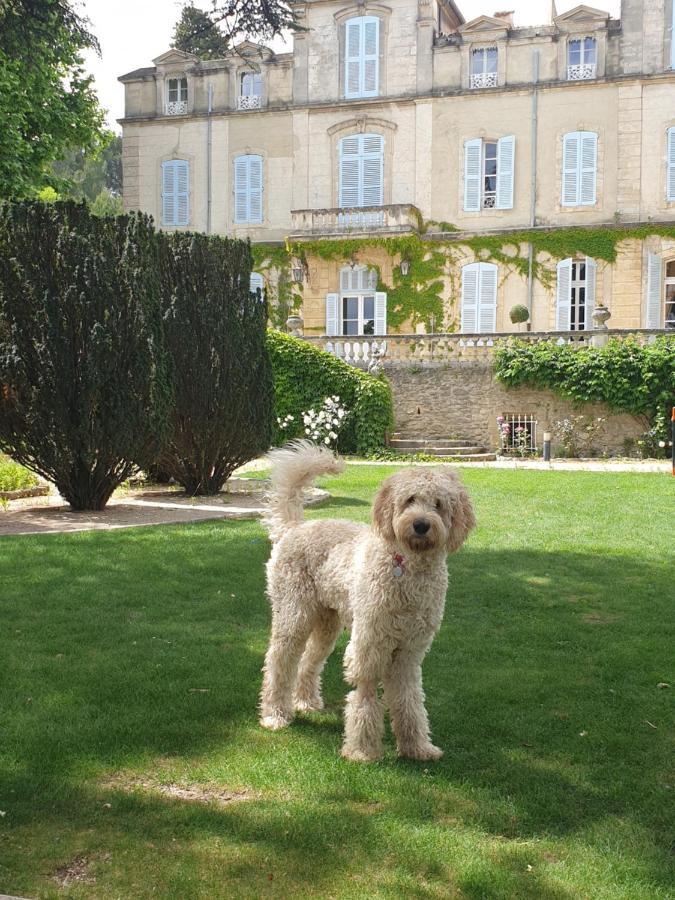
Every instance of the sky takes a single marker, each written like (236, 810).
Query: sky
(133, 32)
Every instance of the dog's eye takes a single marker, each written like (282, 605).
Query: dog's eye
(438, 504)
(409, 501)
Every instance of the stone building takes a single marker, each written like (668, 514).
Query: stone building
(421, 144)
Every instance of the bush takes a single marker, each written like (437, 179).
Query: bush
(304, 376)
(14, 477)
(82, 392)
(519, 313)
(220, 375)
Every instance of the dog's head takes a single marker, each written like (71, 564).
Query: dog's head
(424, 509)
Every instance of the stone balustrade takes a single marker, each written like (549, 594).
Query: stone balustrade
(393, 219)
(439, 348)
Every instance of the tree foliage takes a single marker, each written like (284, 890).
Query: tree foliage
(82, 174)
(196, 33)
(264, 19)
(82, 391)
(221, 380)
(47, 103)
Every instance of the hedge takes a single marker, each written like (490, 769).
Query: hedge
(305, 375)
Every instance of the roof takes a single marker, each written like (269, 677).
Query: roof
(137, 74)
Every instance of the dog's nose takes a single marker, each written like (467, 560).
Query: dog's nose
(421, 526)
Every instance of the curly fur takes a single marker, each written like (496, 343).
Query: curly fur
(326, 575)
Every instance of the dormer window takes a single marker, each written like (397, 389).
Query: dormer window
(250, 96)
(582, 59)
(176, 96)
(484, 70)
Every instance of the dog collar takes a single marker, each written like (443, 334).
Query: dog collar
(399, 565)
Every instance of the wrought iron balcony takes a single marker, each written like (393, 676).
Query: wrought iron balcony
(581, 72)
(249, 101)
(176, 107)
(394, 219)
(485, 80)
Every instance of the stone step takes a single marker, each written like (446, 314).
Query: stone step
(453, 455)
(421, 443)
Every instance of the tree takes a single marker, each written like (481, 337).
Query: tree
(196, 33)
(220, 373)
(264, 19)
(84, 174)
(47, 103)
(83, 395)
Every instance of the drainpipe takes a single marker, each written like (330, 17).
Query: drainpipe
(533, 186)
(209, 145)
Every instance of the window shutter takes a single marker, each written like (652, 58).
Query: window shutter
(671, 164)
(241, 189)
(182, 170)
(487, 298)
(256, 283)
(373, 170)
(247, 84)
(353, 41)
(654, 291)
(371, 57)
(361, 170)
(591, 279)
(248, 189)
(570, 175)
(506, 157)
(380, 312)
(473, 154)
(588, 169)
(332, 324)
(470, 281)
(564, 295)
(168, 193)
(255, 182)
(350, 171)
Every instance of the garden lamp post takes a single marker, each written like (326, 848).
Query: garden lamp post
(547, 446)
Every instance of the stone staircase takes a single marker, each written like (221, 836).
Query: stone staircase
(464, 451)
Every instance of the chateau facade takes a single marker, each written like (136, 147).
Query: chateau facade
(440, 154)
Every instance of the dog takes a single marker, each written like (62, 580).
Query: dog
(386, 584)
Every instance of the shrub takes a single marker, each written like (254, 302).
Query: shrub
(82, 393)
(304, 376)
(14, 477)
(220, 375)
(577, 434)
(519, 313)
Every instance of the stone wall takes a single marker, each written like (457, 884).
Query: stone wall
(462, 400)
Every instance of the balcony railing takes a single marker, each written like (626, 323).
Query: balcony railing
(443, 348)
(396, 219)
(176, 107)
(581, 72)
(249, 101)
(485, 80)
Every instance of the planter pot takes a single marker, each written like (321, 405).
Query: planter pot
(600, 316)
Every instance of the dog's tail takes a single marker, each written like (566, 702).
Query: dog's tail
(294, 467)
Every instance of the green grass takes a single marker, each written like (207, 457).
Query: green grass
(135, 655)
(14, 477)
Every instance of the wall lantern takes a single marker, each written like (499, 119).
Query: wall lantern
(405, 267)
(298, 273)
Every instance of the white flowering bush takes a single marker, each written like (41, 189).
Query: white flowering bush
(323, 425)
(286, 423)
(577, 433)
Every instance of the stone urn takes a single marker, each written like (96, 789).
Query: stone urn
(295, 326)
(600, 316)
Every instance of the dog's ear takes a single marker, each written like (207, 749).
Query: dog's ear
(463, 518)
(383, 513)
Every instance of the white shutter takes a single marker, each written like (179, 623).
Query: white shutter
(591, 279)
(353, 43)
(588, 168)
(361, 170)
(564, 296)
(473, 157)
(487, 298)
(182, 170)
(570, 173)
(241, 189)
(506, 157)
(332, 322)
(255, 188)
(256, 283)
(671, 163)
(168, 193)
(248, 189)
(350, 171)
(370, 57)
(380, 312)
(470, 282)
(373, 170)
(654, 291)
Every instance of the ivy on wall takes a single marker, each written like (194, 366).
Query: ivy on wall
(436, 258)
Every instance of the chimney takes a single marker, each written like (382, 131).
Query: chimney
(506, 16)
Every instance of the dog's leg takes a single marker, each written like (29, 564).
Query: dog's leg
(364, 724)
(319, 647)
(281, 666)
(404, 696)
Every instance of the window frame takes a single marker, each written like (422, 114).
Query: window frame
(179, 105)
(250, 99)
(483, 78)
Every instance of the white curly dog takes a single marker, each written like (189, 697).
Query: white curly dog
(386, 584)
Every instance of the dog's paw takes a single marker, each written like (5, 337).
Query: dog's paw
(308, 704)
(356, 755)
(425, 752)
(275, 722)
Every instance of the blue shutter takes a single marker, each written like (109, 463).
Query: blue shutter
(563, 296)
(671, 162)
(361, 171)
(473, 160)
(506, 158)
(362, 57)
(176, 192)
(248, 189)
(470, 283)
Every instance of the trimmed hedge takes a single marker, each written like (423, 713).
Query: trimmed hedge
(305, 375)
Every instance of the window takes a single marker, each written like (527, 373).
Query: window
(256, 283)
(250, 96)
(660, 301)
(248, 189)
(362, 57)
(479, 298)
(580, 161)
(670, 179)
(489, 174)
(361, 171)
(518, 432)
(575, 300)
(176, 96)
(484, 67)
(669, 318)
(176, 192)
(582, 59)
(359, 309)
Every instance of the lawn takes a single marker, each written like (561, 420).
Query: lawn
(130, 668)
